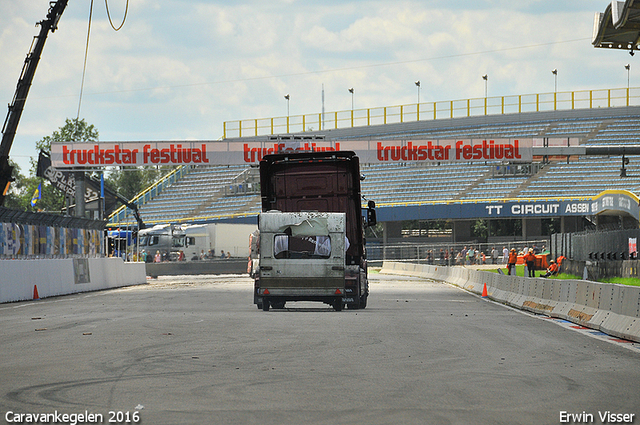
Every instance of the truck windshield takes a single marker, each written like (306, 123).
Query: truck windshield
(177, 242)
(286, 246)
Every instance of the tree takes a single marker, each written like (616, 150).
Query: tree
(74, 130)
(131, 181)
(16, 197)
(480, 230)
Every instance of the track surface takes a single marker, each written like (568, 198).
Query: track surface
(195, 350)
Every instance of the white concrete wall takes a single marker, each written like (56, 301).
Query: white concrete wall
(56, 277)
(611, 308)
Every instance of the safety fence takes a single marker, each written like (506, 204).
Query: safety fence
(447, 253)
(33, 241)
(26, 235)
(602, 269)
(495, 105)
(597, 245)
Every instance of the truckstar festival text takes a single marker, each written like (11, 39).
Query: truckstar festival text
(174, 154)
(136, 154)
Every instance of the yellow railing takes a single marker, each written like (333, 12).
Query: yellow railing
(583, 99)
(149, 193)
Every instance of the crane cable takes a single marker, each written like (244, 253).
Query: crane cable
(126, 10)
(86, 50)
(84, 69)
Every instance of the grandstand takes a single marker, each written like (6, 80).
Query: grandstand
(211, 193)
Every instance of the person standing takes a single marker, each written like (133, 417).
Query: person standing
(513, 259)
(494, 255)
(505, 255)
(530, 261)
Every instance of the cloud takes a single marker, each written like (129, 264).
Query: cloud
(180, 68)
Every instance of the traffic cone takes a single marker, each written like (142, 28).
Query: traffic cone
(35, 292)
(484, 291)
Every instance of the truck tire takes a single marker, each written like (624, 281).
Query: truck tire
(265, 305)
(363, 301)
(278, 305)
(337, 304)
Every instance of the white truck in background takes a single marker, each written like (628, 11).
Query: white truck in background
(212, 239)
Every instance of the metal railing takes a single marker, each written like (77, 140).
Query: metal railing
(121, 215)
(495, 105)
(434, 253)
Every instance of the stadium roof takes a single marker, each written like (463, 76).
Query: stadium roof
(618, 27)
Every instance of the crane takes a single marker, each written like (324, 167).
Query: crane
(20, 97)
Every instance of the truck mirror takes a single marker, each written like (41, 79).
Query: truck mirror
(371, 213)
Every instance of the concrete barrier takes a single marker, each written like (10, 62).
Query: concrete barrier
(52, 277)
(216, 266)
(610, 308)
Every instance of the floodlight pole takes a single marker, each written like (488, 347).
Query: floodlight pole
(286, 96)
(485, 77)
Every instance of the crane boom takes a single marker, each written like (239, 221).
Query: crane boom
(20, 97)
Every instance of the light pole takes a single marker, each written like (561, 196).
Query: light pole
(554, 71)
(417, 83)
(485, 77)
(351, 90)
(628, 68)
(286, 96)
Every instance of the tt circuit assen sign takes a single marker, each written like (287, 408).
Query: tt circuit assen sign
(616, 202)
(106, 154)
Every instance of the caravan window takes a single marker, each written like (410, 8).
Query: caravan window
(154, 240)
(286, 246)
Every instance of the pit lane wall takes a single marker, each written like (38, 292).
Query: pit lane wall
(610, 308)
(51, 277)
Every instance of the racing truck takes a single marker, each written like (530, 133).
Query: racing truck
(311, 244)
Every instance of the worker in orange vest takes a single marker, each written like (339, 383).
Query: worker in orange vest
(513, 259)
(530, 261)
(551, 270)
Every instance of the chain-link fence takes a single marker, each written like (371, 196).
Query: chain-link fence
(595, 245)
(448, 253)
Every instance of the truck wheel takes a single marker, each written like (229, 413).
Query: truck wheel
(337, 304)
(265, 305)
(363, 301)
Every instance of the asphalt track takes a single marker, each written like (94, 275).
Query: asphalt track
(195, 350)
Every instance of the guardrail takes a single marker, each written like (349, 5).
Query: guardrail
(495, 105)
(610, 308)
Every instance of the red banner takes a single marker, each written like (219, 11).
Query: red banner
(108, 154)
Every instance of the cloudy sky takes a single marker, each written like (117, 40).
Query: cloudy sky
(179, 68)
